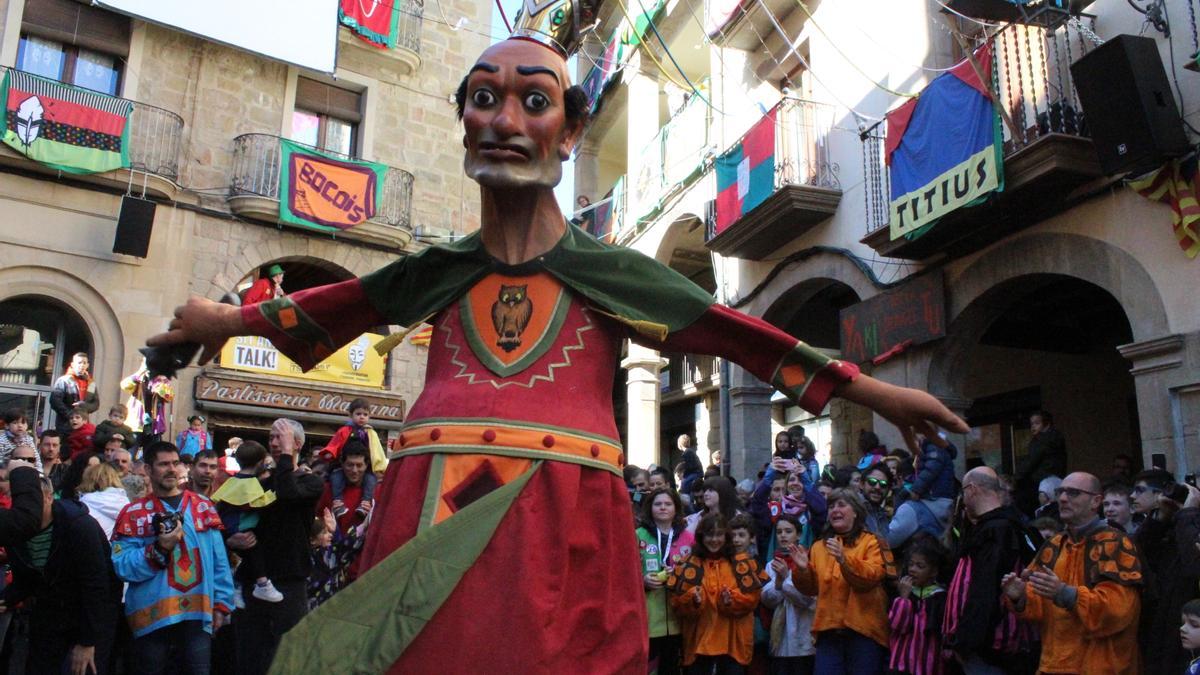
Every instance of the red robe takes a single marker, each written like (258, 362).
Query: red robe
(261, 291)
(557, 587)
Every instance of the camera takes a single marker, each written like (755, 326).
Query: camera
(165, 523)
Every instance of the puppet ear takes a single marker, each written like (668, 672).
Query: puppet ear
(464, 140)
(572, 132)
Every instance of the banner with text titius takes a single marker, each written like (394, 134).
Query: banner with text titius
(943, 148)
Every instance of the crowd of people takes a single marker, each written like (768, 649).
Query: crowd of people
(894, 564)
(126, 553)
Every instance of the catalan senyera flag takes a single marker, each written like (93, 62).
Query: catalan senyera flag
(1177, 184)
(323, 192)
(69, 128)
(375, 22)
(746, 173)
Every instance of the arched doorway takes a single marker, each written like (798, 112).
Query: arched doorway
(1044, 341)
(38, 336)
(809, 311)
(300, 272)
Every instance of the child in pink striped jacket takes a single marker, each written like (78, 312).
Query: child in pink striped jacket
(916, 615)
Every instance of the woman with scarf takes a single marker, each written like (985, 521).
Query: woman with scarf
(663, 541)
(780, 491)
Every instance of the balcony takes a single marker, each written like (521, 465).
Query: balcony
(254, 193)
(687, 375)
(806, 189)
(407, 52)
(678, 156)
(155, 140)
(1049, 160)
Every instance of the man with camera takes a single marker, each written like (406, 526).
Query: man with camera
(168, 547)
(1166, 541)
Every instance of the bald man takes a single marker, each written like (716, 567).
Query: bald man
(1082, 589)
(996, 542)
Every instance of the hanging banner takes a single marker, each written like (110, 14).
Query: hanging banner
(375, 22)
(354, 364)
(1177, 184)
(68, 128)
(943, 148)
(323, 192)
(912, 313)
(746, 173)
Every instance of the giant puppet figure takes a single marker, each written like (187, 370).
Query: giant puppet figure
(502, 538)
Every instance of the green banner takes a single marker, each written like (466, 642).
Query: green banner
(324, 192)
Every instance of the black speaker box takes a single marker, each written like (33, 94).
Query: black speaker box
(1128, 105)
(134, 224)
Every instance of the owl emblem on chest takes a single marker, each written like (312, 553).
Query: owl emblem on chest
(510, 315)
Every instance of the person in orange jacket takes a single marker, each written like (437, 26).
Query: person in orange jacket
(714, 592)
(846, 571)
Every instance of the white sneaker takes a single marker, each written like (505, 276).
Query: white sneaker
(239, 600)
(266, 592)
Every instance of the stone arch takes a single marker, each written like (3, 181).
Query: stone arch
(1069, 255)
(341, 260)
(676, 231)
(107, 337)
(813, 273)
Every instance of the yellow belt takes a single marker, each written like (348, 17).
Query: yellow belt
(509, 439)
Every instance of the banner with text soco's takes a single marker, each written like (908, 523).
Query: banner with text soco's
(354, 364)
(323, 192)
(943, 148)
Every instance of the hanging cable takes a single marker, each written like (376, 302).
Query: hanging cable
(667, 51)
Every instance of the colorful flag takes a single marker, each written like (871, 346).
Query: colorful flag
(71, 129)
(1177, 184)
(943, 148)
(375, 22)
(746, 173)
(422, 337)
(323, 192)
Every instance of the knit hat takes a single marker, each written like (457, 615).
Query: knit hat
(1048, 485)
(273, 270)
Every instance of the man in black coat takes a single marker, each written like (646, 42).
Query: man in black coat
(995, 543)
(1047, 456)
(65, 568)
(1171, 566)
(283, 534)
(75, 390)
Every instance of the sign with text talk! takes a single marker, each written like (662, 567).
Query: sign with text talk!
(355, 364)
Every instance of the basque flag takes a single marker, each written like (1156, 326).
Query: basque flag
(746, 173)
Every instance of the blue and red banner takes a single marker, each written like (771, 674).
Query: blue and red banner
(746, 173)
(69, 128)
(943, 148)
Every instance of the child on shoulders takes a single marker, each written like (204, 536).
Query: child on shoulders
(358, 428)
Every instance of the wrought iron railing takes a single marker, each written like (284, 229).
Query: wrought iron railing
(155, 138)
(672, 161)
(877, 188)
(411, 12)
(1033, 78)
(689, 370)
(802, 144)
(256, 164)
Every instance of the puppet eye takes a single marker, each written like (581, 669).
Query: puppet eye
(537, 101)
(483, 97)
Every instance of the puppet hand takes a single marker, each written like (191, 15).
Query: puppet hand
(203, 322)
(912, 411)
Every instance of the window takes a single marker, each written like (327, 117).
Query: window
(53, 46)
(326, 117)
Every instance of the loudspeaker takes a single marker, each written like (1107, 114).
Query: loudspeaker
(1129, 106)
(134, 225)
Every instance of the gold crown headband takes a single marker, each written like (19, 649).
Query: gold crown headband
(557, 24)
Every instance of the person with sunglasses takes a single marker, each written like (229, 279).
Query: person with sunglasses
(876, 485)
(1082, 588)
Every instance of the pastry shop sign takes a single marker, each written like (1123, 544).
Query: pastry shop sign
(245, 392)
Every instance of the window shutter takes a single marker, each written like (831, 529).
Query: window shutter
(74, 23)
(326, 99)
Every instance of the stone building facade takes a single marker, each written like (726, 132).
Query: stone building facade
(203, 143)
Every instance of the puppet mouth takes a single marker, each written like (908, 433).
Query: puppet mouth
(505, 152)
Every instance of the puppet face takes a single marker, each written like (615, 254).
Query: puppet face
(517, 134)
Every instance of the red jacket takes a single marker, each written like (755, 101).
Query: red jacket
(80, 440)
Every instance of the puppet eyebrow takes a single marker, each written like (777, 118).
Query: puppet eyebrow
(484, 66)
(537, 70)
